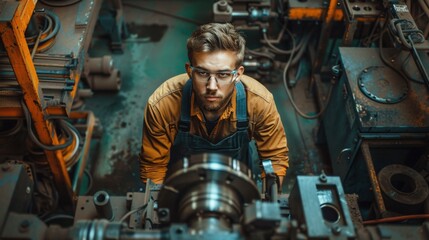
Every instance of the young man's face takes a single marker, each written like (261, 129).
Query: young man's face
(213, 77)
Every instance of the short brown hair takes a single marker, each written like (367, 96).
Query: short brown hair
(216, 36)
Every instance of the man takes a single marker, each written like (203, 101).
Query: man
(211, 108)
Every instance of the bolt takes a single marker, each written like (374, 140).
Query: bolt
(322, 177)
(222, 6)
(28, 190)
(162, 213)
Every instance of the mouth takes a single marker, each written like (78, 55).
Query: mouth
(211, 98)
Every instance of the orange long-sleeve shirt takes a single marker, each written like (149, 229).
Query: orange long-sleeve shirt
(162, 115)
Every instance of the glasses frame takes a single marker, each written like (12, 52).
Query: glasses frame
(222, 82)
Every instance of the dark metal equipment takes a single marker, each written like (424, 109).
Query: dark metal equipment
(199, 201)
(376, 118)
(207, 183)
(17, 187)
(321, 198)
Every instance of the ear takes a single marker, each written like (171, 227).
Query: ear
(240, 72)
(188, 69)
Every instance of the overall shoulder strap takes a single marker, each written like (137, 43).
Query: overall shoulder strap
(241, 107)
(185, 109)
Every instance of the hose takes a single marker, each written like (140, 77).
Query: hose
(278, 50)
(49, 31)
(288, 64)
(63, 124)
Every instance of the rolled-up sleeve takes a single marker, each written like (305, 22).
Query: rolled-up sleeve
(154, 155)
(270, 135)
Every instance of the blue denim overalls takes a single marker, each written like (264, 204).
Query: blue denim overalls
(236, 145)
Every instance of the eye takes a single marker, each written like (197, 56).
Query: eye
(202, 73)
(223, 75)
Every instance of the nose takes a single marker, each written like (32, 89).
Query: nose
(211, 83)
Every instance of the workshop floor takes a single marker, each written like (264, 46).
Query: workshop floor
(155, 51)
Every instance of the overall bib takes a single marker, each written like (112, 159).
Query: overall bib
(236, 145)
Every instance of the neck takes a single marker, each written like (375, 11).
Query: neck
(212, 116)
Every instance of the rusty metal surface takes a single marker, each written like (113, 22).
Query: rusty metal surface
(325, 32)
(12, 34)
(121, 205)
(404, 189)
(75, 34)
(310, 10)
(356, 12)
(17, 190)
(319, 203)
(87, 127)
(383, 85)
(362, 9)
(409, 115)
(381, 208)
(59, 67)
(23, 226)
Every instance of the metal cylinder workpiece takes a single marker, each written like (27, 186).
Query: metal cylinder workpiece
(103, 205)
(110, 82)
(101, 65)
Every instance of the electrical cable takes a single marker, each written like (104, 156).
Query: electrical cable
(259, 54)
(16, 128)
(280, 8)
(400, 34)
(133, 211)
(36, 44)
(405, 70)
(90, 181)
(48, 36)
(383, 57)
(37, 142)
(368, 40)
(396, 219)
(302, 48)
(278, 50)
(161, 13)
(419, 63)
(58, 216)
(72, 158)
(56, 3)
(302, 114)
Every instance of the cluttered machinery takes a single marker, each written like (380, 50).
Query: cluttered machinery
(204, 196)
(367, 62)
(367, 65)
